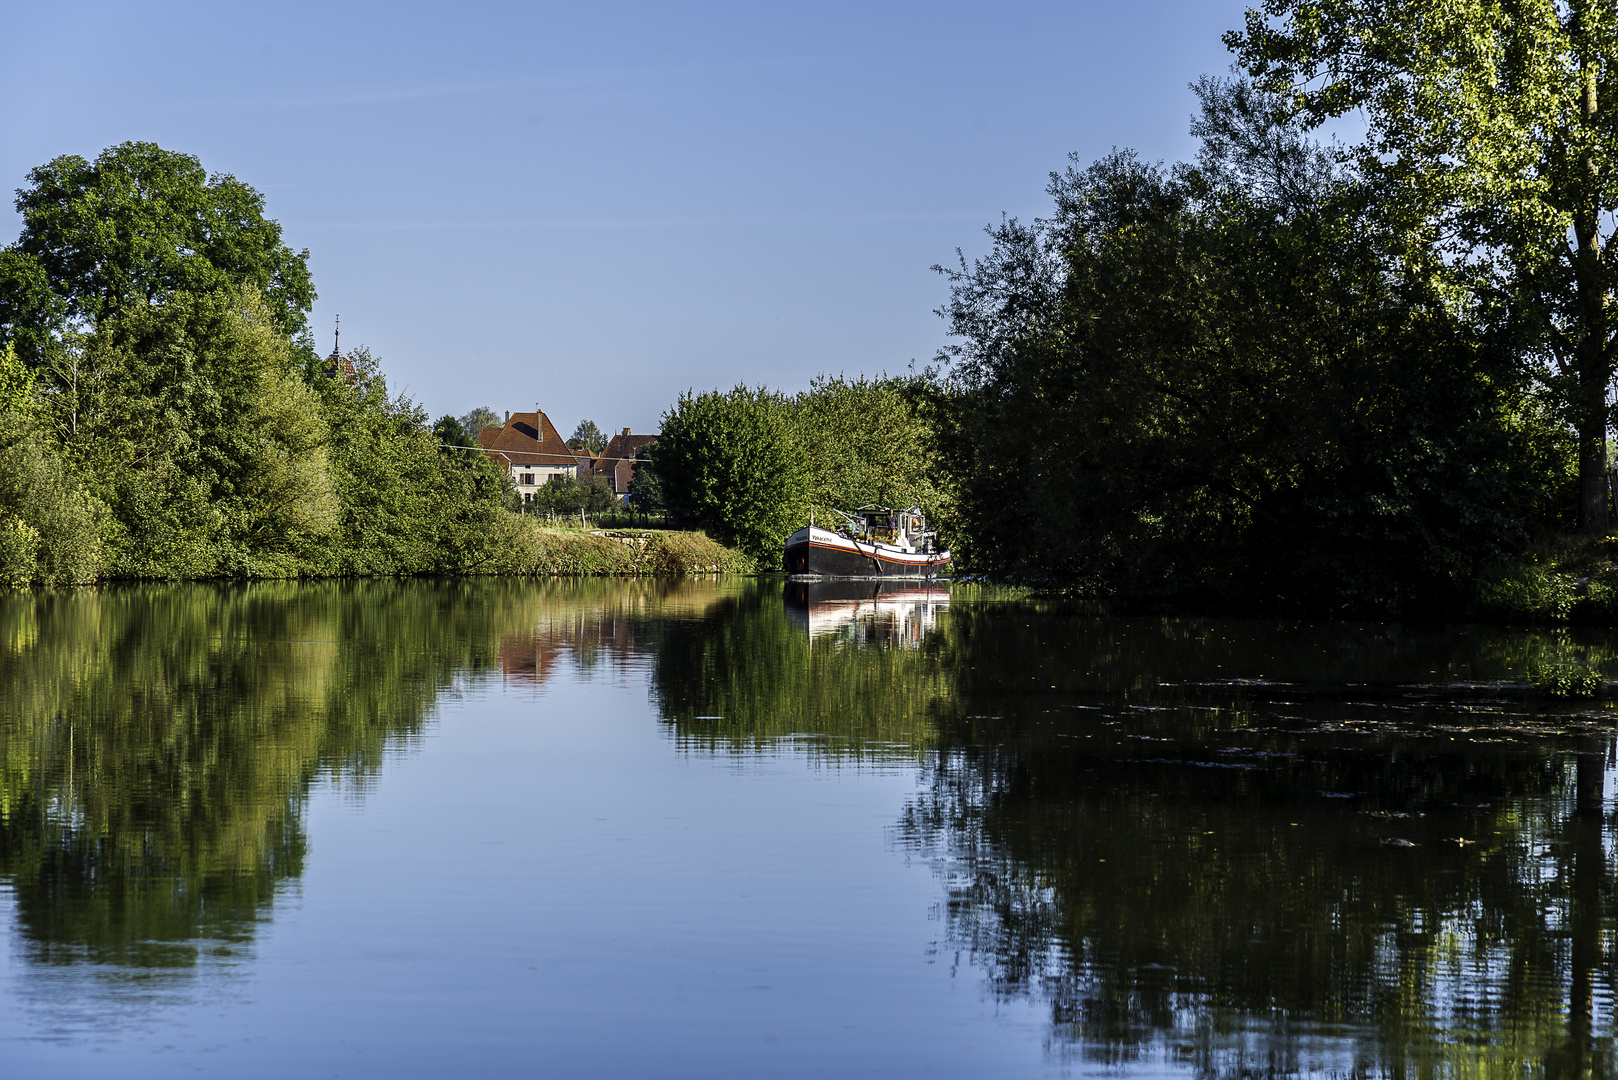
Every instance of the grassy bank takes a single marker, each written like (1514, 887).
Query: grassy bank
(524, 546)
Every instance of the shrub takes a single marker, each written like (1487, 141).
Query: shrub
(1527, 591)
(19, 547)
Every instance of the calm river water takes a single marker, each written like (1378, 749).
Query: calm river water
(603, 829)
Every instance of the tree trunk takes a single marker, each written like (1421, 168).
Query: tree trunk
(1594, 367)
(1593, 378)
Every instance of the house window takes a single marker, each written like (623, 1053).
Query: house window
(528, 478)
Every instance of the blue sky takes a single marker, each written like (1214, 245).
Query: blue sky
(595, 207)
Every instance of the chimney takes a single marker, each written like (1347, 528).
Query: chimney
(626, 431)
(508, 416)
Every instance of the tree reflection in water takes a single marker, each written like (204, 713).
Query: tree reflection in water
(157, 744)
(1254, 848)
(1240, 847)
(845, 681)
(1243, 847)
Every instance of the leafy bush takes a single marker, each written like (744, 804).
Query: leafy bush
(1528, 591)
(19, 550)
(52, 524)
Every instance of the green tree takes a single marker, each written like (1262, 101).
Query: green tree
(646, 483)
(1493, 130)
(1219, 383)
(873, 444)
(31, 313)
(406, 507)
(194, 422)
(17, 385)
(132, 228)
(478, 419)
(588, 437)
(457, 444)
(288, 494)
(731, 463)
(569, 495)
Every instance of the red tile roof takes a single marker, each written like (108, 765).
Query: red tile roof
(617, 461)
(529, 438)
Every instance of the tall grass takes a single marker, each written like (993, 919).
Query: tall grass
(529, 546)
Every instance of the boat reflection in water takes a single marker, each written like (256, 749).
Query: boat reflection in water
(866, 612)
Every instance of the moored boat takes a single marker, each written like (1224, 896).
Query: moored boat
(875, 541)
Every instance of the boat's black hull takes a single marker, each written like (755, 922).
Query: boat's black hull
(839, 557)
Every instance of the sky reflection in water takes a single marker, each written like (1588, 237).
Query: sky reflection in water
(704, 828)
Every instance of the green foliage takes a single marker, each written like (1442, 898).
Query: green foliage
(50, 526)
(223, 450)
(732, 463)
(134, 228)
(1220, 384)
(1491, 138)
(31, 313)
(1530, 591)
(19, 552)
(646, 483)
(478, 419)
(196, 424)
(288, 496)
(867, 441)
(450, 432)
(406, 508)
(569, 495)
(16, 382)
(588, 436)
(752, 465)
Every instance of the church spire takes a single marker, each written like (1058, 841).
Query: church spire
(336, 366)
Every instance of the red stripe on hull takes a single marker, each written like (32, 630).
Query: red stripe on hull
(838, 561)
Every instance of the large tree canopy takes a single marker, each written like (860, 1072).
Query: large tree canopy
(131, 229)
(1492, 128)
(1217, 383)
(731, 463)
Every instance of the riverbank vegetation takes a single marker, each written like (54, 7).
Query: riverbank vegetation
(526, 546)
(1313, 376)
(751, 465)
(164, 414)
(1295, 375)
(1234, 385)
(1291, 376)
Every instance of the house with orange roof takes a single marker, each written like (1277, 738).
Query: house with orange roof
(530, 449)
